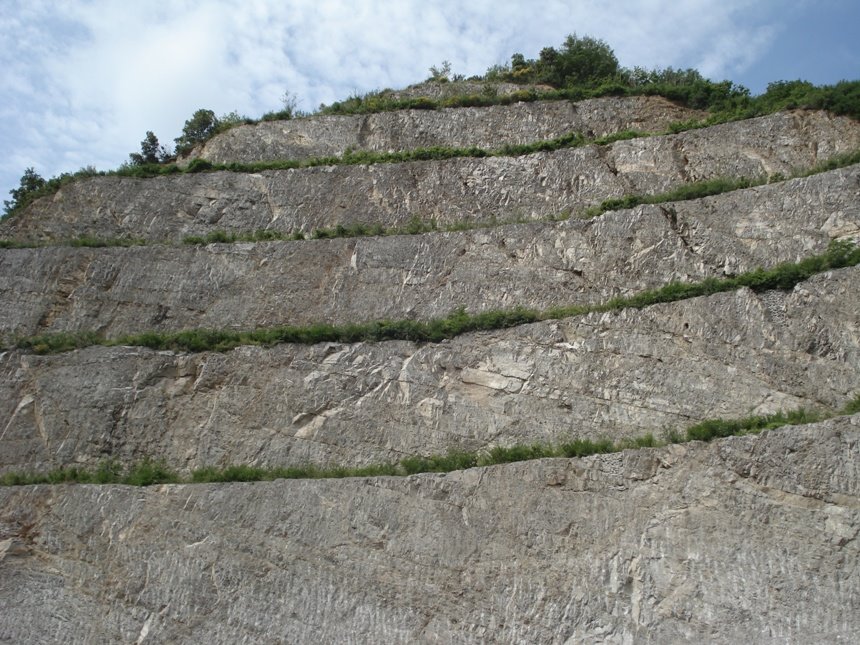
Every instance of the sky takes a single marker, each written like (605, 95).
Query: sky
(82, 81)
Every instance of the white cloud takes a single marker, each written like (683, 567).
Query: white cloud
(83, 81)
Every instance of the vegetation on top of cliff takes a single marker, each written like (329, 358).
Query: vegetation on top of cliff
(841, 253)
(150, 472)
(581, 68)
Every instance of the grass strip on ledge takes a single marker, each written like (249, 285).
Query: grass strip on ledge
(149, 472)
(369, 157)
(840, 254)
(717, 186)
(348, 158)
(88, 241)
(419, 226)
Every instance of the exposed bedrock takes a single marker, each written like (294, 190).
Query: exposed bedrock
(117, 290)
(747, 539)
(489, 128)
(527, 187)
(612, 374)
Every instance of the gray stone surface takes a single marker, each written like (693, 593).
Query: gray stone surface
(489, 128)
(528, 187)
(750, 539)
(614, 374)
(116, 291)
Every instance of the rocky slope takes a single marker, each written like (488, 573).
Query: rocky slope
(118, 291)
(616, 374)
(533, 186)
(489, 128)
(744, 539)
(749, 539)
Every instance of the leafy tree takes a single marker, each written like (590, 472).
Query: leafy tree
(581, 61)
(584, 61)
(150, 151)
(442, 73)
(31, 184)
(518, 62)
(200, 127)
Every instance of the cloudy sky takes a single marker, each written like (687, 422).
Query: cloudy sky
(82, 81)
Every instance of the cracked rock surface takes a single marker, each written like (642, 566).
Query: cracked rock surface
(610, 374)
(747, 539)
(489, 128)
(533, 186)
(744, 539)
(118, 291)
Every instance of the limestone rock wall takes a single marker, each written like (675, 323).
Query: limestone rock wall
(533, 186)
(489, 128)
(748, 539)
(118, 291)
(436, 90)
(612, 374)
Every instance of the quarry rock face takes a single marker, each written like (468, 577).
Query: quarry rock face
(744, 539)
(489, 128)
(158, 288)
(605, 374)
(535, 186)
(449, 89)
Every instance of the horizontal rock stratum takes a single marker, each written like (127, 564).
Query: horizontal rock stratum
(117, 291)
(605, 374)
(533, 186)
(487, 127)
(748, 539)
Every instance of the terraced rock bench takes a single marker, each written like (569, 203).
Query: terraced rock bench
(604, 374)
(118, 291)
(747, 538)
(709, 542)
(459, 190)
(483, 127)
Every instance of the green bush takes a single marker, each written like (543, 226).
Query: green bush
(199, 165)
(587, 447)
(454, 460)
(199, 128)
(504, 455)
